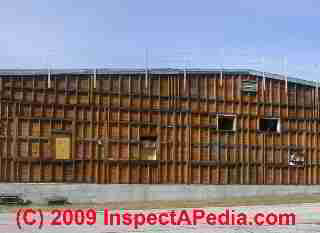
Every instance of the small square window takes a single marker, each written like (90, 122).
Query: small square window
(227, 123)
(269, 125)
(149, 147)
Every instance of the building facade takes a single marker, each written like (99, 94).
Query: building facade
(161, 126)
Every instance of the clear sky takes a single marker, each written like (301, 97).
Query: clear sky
(119, 33)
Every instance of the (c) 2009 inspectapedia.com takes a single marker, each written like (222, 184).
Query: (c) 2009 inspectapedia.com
(307, 220)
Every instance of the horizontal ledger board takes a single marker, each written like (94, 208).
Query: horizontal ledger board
(204, 129)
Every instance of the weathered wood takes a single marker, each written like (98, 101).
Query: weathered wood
(105, 124)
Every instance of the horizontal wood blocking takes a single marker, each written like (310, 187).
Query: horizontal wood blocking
(163, 129)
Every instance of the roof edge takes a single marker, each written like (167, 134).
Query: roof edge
(88, 71)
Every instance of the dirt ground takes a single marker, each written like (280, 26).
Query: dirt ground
(245, 201)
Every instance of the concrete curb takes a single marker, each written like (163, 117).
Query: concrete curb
(99, 193)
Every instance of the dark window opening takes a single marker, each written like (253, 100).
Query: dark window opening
(269, 125)
(149, 141)
(226, 123)
(148, 138)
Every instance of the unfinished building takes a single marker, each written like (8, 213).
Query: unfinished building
(160, 126)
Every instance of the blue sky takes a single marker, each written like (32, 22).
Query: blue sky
(119, 33)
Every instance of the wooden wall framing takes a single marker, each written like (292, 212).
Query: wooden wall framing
(106, 121)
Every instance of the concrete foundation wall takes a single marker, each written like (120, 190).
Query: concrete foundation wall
(93, 193)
